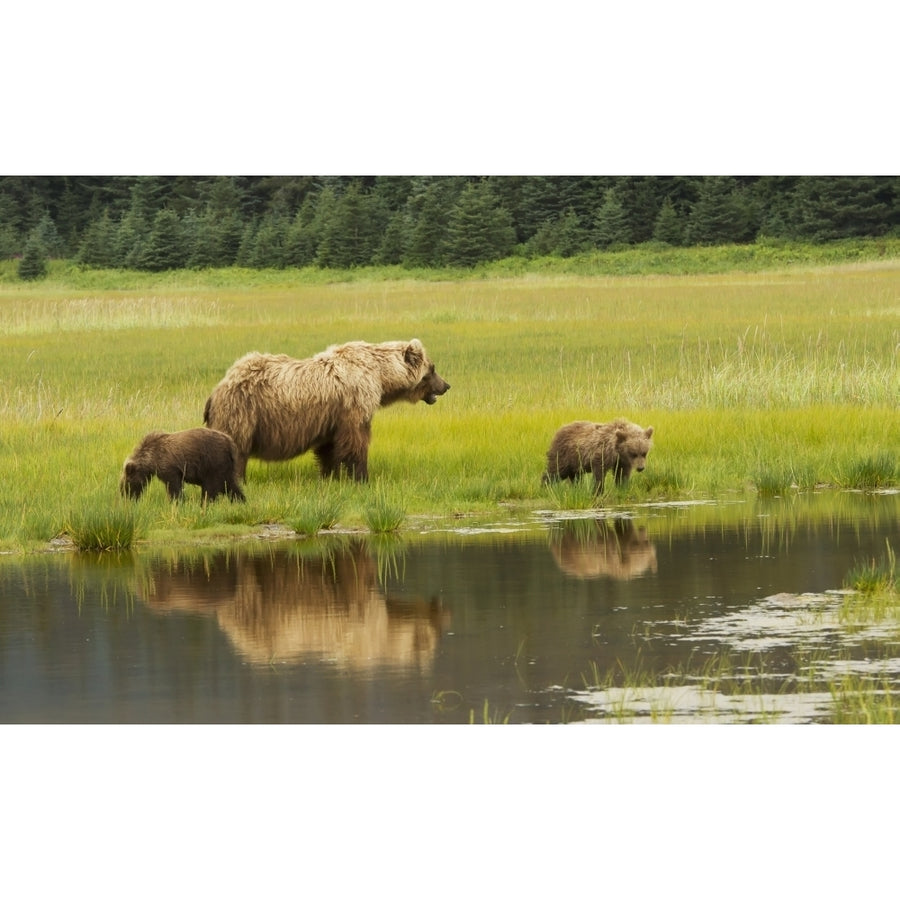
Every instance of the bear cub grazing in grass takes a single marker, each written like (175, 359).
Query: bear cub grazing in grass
(598, 447)
(276, 407)
(197, 456)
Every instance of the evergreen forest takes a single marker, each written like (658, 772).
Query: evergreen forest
(156, 223)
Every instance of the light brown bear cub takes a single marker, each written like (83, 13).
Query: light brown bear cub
(276, 407)
(197, 456)
(598, 447)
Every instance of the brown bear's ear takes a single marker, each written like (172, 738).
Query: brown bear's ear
(415, 353)
(621, 436)
(648, 432)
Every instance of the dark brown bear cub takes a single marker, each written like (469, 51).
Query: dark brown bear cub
(198, 456)
(598, 447)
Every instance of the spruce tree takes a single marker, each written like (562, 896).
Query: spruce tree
(302, 238)
(668, 228)
(9, 242)
(349, 235)
(269, 243)
(131, 235)
(721, 215)
(227, 230)
(478, 228)
(33, 263)
(611, 221)
(393, 243)
(429, 209)
(222, 198)
(49, 237)
(200, 239)
(539, 205)
(326, 210)
(98, 244)
(827, 209)
(562, 236)
(245, 250)
(165, 247)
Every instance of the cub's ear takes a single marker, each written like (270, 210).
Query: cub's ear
(648, 432)
(621, 436)
(414, 355)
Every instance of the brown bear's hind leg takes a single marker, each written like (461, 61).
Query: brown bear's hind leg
(324, 455)
(351, 451)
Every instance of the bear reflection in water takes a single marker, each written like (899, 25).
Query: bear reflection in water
(284, 608)
(594, 548)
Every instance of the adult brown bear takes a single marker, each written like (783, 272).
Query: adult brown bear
(276, 407)
(195, 456)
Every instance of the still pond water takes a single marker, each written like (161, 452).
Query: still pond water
(579, 618)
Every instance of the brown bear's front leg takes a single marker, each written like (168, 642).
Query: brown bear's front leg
(622, 473)
(234, 492)
(211, 490)
(174, 485)
(598, 470)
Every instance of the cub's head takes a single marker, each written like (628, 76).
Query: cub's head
(140, 467)
(633, 443)
(134, 479)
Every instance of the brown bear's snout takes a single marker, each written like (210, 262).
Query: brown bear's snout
(432, 398)
(439, 387)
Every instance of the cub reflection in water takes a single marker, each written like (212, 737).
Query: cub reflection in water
(593, 548)
(286, 608)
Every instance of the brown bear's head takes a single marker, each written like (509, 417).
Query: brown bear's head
(134, 480)
(633, 444)
(430, 385)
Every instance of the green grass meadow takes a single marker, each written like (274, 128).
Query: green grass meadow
(756, 380)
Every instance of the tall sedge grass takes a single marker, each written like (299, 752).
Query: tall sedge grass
(770, 381)
(384, 511)
(318, 509)
(106, 313)
(104, 527)
(859, 701)
(874, 593)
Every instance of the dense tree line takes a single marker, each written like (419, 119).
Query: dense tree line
(165, 222)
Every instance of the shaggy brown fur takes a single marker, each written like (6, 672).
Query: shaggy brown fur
(276, 407)
(598, 447)
(196, 456)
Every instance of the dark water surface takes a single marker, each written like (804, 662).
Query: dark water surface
(528, 622)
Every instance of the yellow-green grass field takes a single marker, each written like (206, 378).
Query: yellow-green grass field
(755, 381)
